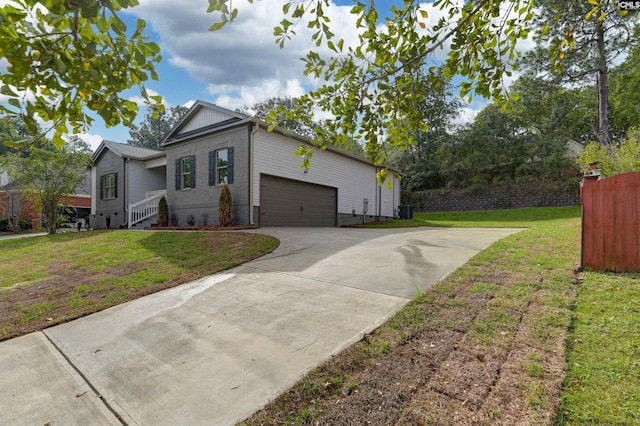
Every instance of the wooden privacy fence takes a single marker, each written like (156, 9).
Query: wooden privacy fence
(610, 223)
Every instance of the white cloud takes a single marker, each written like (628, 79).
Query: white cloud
(240, 63)
(434, 14)
(465, 115)
(189, 103)
(93, 140)
(232, 98)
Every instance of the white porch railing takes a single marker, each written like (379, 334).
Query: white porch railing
(144, 209)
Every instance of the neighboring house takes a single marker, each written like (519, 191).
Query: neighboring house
(4, 178)
(81, 200)
(13, 202)
(123, 176)
(573, 149)
(212, 146)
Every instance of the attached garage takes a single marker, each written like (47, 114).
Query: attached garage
(269, 185)
(288, 202)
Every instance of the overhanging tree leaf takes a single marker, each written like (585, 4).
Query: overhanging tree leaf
(66, 59)
(371, 89)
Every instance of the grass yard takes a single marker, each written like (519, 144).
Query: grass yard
(603, 376)
(55, 278)
(516, 336)
(514, 218)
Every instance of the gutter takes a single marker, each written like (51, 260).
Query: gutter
(125, 207)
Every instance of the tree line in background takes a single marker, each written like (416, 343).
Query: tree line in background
(587, 95)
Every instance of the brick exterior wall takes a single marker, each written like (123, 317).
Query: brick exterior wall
(27, 208)
(496, 198)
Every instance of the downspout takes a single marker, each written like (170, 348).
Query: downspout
(393, 196)
(379, 199)
(126, 192)
(94, 190)
(251, 155)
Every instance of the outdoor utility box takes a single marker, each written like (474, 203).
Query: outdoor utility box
(405, 212)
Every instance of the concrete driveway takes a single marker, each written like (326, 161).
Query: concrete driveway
(214, 351)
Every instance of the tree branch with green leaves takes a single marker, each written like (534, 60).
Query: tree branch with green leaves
(371, 89)
(70, 59)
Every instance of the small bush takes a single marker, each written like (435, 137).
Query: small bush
(191, 220)
(225, 209)
(205, 219)
(174, 219)
(6, 225)
(163, 212)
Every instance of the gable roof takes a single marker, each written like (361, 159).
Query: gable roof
(217, 117)
(127, 151)
(222, 118)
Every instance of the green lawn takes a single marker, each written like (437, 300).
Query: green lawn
(602, 384)
(514, 218)
(603, 375)
(570, 340)
(51, 279)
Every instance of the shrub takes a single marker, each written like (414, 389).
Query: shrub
(225, 209)
(174, 219)
(163, 212)
(18, 224)
(191, 220)
(7, 224)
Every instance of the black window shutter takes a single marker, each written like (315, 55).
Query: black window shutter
(177, 174)
(193, 171)
(101, 187)
(230, 165)
(212, 168)
(115, 185)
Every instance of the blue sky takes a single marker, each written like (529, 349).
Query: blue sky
(235, 67)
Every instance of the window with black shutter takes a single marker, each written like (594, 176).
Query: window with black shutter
(221, 166)
(186, 172)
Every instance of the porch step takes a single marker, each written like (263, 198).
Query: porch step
(140, 226)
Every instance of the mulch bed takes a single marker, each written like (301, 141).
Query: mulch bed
(201, 228)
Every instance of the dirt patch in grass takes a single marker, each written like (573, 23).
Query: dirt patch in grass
(71, 290)
(483, 347)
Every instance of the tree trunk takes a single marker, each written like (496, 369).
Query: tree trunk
(603, 90)
(50, 212)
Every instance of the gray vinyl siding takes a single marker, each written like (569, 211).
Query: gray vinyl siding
(204, 199)
(110, 163)
(354, 180)
(141, 180)
(389, 197)
(203, 118)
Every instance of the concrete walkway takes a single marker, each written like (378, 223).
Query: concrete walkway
(25, 235)
(214, 351)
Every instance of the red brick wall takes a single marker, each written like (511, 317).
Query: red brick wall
(27, 209)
